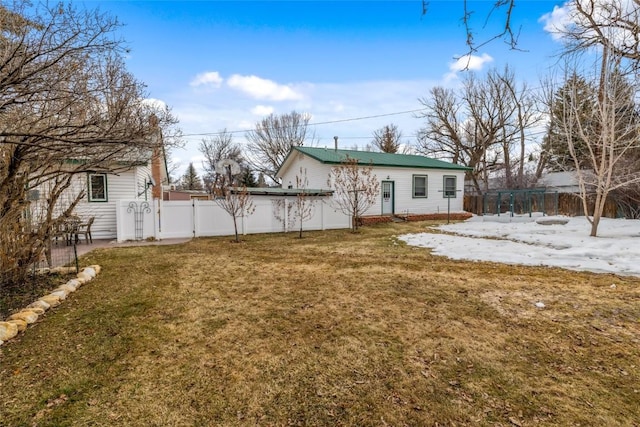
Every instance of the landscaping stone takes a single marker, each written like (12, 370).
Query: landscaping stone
(26, 315)
(83, 277)
(552, 221)
(60, 294)
(21, 324)
(52, 300)
(41, 304)
(8, 331)
(63, 270)
(75, 283)
(18, 322)
(66, 288)
(90, 271)
(36, 310)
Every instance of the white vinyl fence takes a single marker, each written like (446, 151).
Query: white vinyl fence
(139, 220)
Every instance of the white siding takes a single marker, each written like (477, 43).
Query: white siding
(404, 202)
(435, 202)
(142, 177)
(127, 185)
(317, 173)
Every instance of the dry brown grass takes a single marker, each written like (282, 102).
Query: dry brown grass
(333, 329)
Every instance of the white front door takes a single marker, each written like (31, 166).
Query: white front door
(387, 197)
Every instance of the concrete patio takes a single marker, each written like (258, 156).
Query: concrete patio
(62, 254)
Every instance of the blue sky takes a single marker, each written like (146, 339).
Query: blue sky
(227, 64)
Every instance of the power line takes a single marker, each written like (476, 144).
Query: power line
(314, 124)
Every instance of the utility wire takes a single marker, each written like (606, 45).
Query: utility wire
(314, 124)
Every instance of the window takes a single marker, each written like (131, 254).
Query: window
(419, 186)
(97, 187)
(449, 187)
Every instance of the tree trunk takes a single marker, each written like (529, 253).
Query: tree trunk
(235, 227)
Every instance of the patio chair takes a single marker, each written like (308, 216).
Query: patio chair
(84, 229)
(60, 233)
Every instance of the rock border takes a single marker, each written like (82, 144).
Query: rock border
(18, 322)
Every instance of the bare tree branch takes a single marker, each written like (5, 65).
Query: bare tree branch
(214, 149)
(507, 34)
(356, 189)
(387, 139)
(273, 138)
(67, 106)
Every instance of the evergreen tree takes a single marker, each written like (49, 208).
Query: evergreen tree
(555, 143)
(247, 179)
(190, 180)
(585, 115)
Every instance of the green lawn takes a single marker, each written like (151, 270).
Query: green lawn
(335, 329)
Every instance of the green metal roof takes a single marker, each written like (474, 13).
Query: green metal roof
(332, 156)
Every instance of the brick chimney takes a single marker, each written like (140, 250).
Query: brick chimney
(157, 157)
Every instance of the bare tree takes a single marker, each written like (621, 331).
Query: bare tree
(214, 149)
(67, 106)
(612, 23)
(501, 8)
(304, 202)
(443, 134)
(609, 133)
(463, 128)
(485, 127)
(519, 112)
(236, 201)
(273, 138)
(387, 139)
(602, 134)
(356, 189)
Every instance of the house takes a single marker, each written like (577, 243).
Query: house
(174, 194)
(409, 184)
(141, 179)
(562, 182)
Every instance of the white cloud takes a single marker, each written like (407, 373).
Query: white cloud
(260, 88)
(373, 103)
(156, 103)
(262, 110)
(605, 13)
(557, 21)
(470, 62)
(210, 78)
